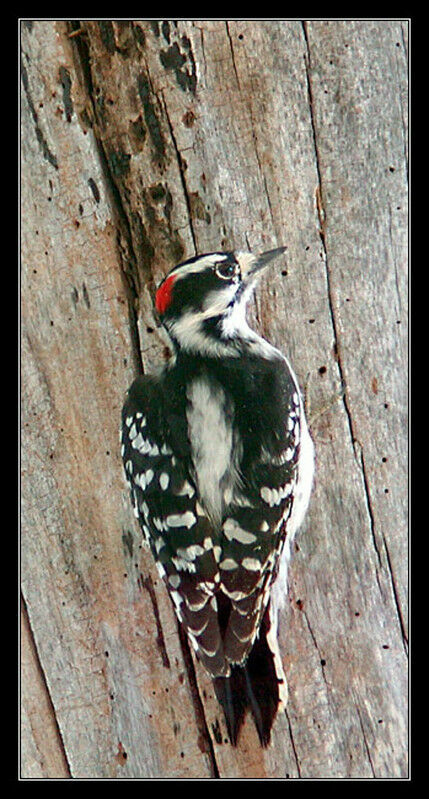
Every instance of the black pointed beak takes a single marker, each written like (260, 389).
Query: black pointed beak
(264, 259)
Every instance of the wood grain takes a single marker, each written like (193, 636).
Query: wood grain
(144, 142)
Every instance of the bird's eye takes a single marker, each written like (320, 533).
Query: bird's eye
(226, 270)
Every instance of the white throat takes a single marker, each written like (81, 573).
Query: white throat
(190, 334)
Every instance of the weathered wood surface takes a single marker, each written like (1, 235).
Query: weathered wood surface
(143, 142)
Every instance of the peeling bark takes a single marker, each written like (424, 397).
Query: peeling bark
(144, 142)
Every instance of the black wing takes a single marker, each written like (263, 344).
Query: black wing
(256, 533)
(165, 501)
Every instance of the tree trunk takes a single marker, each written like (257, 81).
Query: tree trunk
(144, 142)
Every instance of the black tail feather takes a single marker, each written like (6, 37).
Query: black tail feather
(231, 694)
(255, 686)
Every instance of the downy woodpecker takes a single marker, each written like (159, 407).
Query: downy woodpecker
(220, 465)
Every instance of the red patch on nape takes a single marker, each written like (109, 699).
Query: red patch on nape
(163, 295)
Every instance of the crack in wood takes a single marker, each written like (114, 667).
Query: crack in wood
(358, 450)
(404, 635)
(147, 583)
(322, 660)
(181, 172)
(367, 749)
(205, 741)
(404, 112)
(293, 743)
(27, 625)
(270, 207)
(228, 33)
(48, 155)
(395, 265)
(203, 52)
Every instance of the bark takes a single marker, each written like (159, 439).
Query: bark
(144, 142)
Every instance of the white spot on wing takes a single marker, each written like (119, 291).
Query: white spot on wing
(199, 604)
(186, 519)
(141, 444)
(304, 482)
(198, 630)
(236, 595)
(251, 564)
(273, 496)
(232, 531)
(159, 544)
(191, 552)
(228, 564)
(265, 493)
(164, 480)
(184, 565)
(133, 432)
(140, 480)
(161, 570)
(186, 490)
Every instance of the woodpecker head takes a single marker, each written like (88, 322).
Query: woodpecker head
(202, 301)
